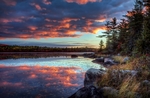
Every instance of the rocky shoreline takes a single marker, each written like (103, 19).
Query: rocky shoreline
(91, 88)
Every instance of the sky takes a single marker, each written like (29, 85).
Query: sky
(57, 23)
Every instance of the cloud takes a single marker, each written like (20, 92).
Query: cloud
(52, 18)
(10, 2)
(47, 2)
(82, 1)
(38, 7)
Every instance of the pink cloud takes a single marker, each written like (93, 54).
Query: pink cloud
(38, 7)
(10, 2)
(5, 83)
(7, 20)
(46, 2)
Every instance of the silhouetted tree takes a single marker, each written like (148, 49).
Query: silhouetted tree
(143, 43)
(101, 45)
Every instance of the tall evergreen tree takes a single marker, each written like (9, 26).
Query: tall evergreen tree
(101, 45)
(111, 35)
(123, 34)
(143, 43)
(135, 23)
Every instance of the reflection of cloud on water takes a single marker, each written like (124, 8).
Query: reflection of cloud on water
(48, 81)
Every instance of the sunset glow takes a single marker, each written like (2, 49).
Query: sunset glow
(47, 22)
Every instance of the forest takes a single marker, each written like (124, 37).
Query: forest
(131, 34)
(16, 48)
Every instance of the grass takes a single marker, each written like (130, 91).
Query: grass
(128, 85)
(119, 58)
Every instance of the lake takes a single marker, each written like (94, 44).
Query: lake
(42, 75)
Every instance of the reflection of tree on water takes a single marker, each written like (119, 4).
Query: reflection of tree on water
(14, 55)
(17, 55)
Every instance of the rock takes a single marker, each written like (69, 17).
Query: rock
(101, 59)
(90, 89)
(129, 72)
(125, 60)
(87, 92)
(91, 76)
(89, 55)
(146, 83)
(74, 56)
(109, 92)
(108, 62)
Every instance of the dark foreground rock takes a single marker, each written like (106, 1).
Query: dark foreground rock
(91, 90)
(91, 76)
(88, 92)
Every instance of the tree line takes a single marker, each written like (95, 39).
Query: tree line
(16, 48)
(132, 34)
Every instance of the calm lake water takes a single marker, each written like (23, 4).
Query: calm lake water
(54, 75)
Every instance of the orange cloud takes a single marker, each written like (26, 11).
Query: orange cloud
(33, 28)
(95, 30)
(83, 1)
(32, 76)
(53, 28)
(102, 18)
(65, 20)
(24, 67)
(24, 36)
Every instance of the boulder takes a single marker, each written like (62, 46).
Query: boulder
(91, 76)
(108, 62)
(87, 92)
(101, 59)
(90, 89)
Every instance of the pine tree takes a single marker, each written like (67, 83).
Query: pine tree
(135, 24)
(143, 43)
(101, 45)
(123, 34)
